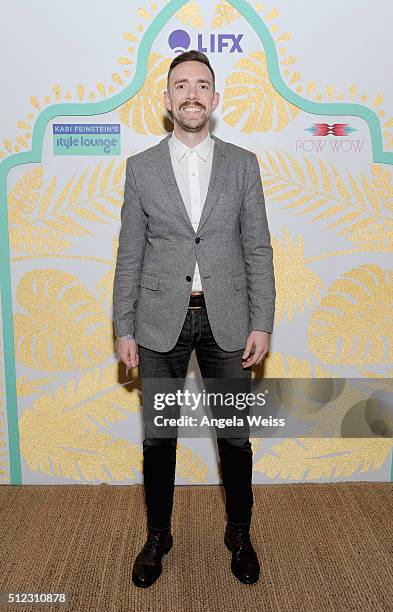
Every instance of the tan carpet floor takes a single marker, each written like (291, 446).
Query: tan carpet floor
(322, 547)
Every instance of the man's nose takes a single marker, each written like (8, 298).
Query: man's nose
(194, 100)
(192, 92)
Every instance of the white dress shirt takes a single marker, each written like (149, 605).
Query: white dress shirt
(192, 168)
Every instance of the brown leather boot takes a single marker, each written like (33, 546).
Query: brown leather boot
(147, 566)
(245, 564)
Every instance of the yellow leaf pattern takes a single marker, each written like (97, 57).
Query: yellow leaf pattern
(61, 434)
(190, 15)
(144, 113)
(42, 224)
(296, 284)
(361, 209)
(278, 365)
(190, 465)
(322, 459)
(353, 322)
(224, 14)
(249, 93)
(65, 328)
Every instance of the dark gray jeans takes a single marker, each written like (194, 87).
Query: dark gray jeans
(159, 454)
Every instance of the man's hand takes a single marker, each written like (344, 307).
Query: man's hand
(127, 352)
(256, 348)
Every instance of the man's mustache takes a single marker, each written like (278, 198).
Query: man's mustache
(193, 104)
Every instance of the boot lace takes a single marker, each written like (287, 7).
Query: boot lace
(242, 540)
(154, 543)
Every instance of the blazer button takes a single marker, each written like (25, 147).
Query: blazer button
(197, 240)
(188, 278)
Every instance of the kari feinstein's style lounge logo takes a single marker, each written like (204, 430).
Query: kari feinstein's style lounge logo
(86, 139)
(180, 40)
(337, 143)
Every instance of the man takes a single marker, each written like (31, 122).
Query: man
(194, 271)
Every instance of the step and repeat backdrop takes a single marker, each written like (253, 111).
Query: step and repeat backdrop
(305, 88)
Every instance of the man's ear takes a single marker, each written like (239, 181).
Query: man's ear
(167, 101)
(216, 100)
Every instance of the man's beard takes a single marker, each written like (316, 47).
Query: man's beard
(192, 125)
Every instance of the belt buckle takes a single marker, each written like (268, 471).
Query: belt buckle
(201, 297)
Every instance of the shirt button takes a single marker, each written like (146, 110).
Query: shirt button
(197, 240)
(188, 278)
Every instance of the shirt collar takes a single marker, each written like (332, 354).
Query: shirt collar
(202, 149)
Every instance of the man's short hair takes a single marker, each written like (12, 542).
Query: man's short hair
(191, 56)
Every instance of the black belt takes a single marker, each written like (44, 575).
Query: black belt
(197, 301)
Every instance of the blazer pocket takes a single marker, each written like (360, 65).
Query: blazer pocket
(149, 281)
(240, 281)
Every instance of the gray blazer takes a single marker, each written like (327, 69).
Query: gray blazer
(158, 248)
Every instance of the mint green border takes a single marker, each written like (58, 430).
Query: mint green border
(98, 108)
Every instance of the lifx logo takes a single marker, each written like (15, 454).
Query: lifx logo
(179, 41)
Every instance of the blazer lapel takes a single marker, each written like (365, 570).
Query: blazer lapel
(218, 172)
(169, 179)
